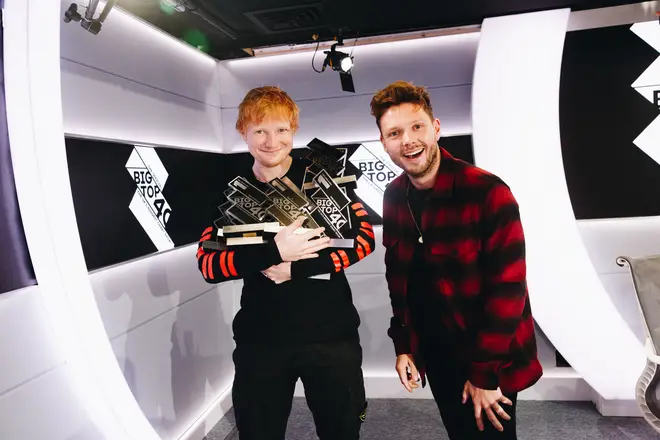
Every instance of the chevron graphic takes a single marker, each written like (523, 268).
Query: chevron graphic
(378, 171)
(648, 85)
(148, 204)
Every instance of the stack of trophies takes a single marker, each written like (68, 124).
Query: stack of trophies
(252, 216)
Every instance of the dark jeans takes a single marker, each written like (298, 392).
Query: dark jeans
(446, 379)
(265, 379)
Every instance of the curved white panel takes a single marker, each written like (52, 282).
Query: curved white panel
(32, 72)
(515, 120)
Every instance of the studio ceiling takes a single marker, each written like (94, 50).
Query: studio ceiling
(230, 28)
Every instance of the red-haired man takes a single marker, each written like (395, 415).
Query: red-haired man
(291, 326)
(455, 267)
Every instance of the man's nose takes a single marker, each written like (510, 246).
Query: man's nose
(270, 141)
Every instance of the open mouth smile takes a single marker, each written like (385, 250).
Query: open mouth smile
(414, 154)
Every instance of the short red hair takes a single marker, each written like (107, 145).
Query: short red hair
(262, 102)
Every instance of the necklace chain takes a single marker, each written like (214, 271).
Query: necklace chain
(420, 239)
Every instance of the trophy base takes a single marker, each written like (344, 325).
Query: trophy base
(342, 243)
(214, 245)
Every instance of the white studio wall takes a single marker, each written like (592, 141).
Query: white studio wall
(142, 350)
(98, 402)
(519, 119)
(170, 332)
(134, 83)
(444, 64)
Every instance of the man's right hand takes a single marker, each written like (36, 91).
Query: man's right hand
(408, 374)
(293, 247)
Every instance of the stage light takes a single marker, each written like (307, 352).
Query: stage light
(340, 62)
(88, 21)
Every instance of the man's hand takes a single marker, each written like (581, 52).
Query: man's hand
(293, 247)
(278, 273)
(489, 401)
(405, 367)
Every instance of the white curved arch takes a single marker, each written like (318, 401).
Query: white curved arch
(515, 120)
(34, 116)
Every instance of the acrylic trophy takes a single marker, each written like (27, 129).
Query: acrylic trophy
(252, 216)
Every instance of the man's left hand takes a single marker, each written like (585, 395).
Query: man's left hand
(488, 401)
(278, 273)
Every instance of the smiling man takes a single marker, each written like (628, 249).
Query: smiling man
(456, 272)
(290, 326)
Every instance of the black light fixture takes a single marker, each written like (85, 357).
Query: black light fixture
(88, 21)
(342, 63)
(339, 62)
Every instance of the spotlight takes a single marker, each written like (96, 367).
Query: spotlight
(88, 21)
(342, 63)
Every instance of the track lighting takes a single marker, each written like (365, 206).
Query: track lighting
(88, 21)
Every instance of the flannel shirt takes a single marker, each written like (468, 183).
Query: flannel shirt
(474, 238)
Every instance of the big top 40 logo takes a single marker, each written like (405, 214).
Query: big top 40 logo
(148, 204)
(648, 85)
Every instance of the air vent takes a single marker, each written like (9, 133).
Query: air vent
(288, 19)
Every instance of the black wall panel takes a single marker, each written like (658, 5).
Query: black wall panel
(601, 114)
(103, 188)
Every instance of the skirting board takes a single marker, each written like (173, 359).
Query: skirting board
(562, 384)
(214, 415)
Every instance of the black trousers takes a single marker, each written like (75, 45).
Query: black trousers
(446, 378)
(265, 380)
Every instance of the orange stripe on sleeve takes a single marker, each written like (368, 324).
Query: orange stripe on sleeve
(230, 263)
(207, 230)
(364, 243)
(366, 225)
(368, 232)
(357, 205)
(344, 258)
(206, 237)
(361, 213)
(335, 259)
(360, 251)
(210, 268)
(204, 271)
(223, 264)
(200, 252)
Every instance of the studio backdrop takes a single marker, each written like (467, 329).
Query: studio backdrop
(132, 200)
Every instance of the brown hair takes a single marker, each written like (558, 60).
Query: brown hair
(397, 93)
(266, 101)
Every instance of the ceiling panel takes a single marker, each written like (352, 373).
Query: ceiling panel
(224, 28)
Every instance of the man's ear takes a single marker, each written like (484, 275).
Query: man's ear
(436, 128)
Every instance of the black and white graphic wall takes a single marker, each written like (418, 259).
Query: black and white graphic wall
(132, 201)
(610, 125)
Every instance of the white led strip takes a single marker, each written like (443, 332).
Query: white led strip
(515, 120)
(34, 114)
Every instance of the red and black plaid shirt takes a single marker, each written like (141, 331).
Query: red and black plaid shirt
(473, 238)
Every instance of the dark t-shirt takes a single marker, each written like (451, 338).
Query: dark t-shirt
(300, 310)
(425, 305)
